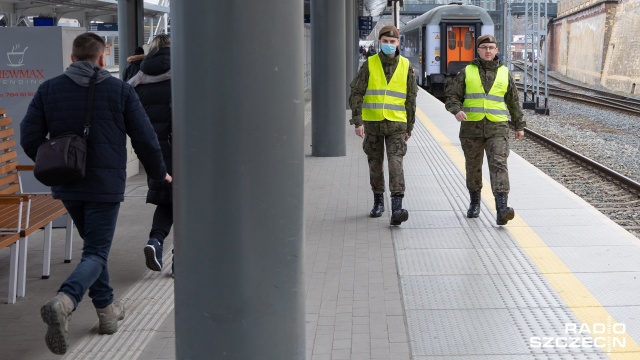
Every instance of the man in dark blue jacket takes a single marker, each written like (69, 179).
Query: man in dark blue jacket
(58, 107)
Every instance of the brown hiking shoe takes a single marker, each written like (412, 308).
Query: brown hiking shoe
(56, 314)
(109, 317)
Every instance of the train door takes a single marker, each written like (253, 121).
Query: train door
(460, 47)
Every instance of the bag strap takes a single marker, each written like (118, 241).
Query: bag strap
(87, 115)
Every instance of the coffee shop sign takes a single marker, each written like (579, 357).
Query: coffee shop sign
(16, 74)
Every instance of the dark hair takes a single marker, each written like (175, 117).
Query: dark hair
(138, 51)
(88, 47)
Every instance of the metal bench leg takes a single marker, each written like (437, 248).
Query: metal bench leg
(69, 240)
(22, 266)
(13, 272)
(46, 260)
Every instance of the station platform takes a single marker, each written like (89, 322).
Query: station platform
(560, 281)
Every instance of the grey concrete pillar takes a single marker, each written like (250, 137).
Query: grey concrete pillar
(11, 16)
(328, 62)
(238, 129)
(350, 49)
(356, 38)
(130, 29)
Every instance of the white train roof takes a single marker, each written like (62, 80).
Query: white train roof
(449, 12)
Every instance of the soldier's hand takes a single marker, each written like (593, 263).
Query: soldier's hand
(407, 137)
(519, 134)
(460, 116)
(168, 178)
(360, 131)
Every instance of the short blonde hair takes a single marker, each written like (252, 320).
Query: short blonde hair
(159, 42)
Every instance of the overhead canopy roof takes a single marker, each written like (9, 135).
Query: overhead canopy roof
(74, 9)
(375, 7)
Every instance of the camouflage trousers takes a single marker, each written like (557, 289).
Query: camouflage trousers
(497, 149)
(377, 134)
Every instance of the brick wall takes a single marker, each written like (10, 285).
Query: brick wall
(596, 42)
(621, 70)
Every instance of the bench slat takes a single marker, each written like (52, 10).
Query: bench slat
(8, 218)
(8, 239)
(7, 144)
(8, 132)
(11, 190)
(44, 209)
(7, 168)
(9, 179)
(4, 121)
(8, 156)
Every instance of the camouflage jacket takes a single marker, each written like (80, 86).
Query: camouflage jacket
(361, 81)
(455, 96)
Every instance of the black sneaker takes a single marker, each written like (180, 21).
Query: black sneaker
(153, 254)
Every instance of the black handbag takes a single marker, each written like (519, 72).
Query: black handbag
(62, 159)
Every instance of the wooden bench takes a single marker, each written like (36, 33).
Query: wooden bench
(38, 210)
(11, 207)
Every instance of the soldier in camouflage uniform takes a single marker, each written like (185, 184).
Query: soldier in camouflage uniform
(383, 106)
(482, 111)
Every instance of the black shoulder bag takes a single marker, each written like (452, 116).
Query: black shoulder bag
(62, 159)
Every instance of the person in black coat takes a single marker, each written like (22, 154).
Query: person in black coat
(58, 107)
(153, 85)
(134, 64)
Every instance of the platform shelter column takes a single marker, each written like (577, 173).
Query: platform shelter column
(238, 150)
(350, 35)
(328, 74)
(130, 29)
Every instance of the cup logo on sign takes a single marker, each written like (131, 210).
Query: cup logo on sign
(15, 56)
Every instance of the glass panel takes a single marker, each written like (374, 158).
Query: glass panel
(468, 40)
(452, 40)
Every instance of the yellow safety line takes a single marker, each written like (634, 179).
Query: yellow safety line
(577, 297)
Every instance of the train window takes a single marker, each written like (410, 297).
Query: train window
(468, 40)
(452, 40)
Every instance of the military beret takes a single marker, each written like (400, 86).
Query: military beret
(487, 39)
(390, 31)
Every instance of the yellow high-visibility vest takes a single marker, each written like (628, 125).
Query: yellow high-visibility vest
(382, 100)
(477, 104)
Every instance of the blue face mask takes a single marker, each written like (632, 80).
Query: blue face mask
(388, 49)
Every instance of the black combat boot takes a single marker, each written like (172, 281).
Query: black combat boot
(505, 213)
(378, 205)
(474, 206)
(398, 214)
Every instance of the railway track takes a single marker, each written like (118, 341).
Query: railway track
(589, 96)
(613, 194)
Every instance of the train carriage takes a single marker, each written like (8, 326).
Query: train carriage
(454, 28)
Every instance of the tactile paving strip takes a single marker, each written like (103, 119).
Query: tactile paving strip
(425, 194)
(443, 292)
(449, 238)
(505, 261)
(439, 262)
(475, 357)
(434, 219)
(545, 327)
(464, 332)
(480, 303)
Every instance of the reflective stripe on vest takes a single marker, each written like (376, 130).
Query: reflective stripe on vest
(477, 104)
(382, 100)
